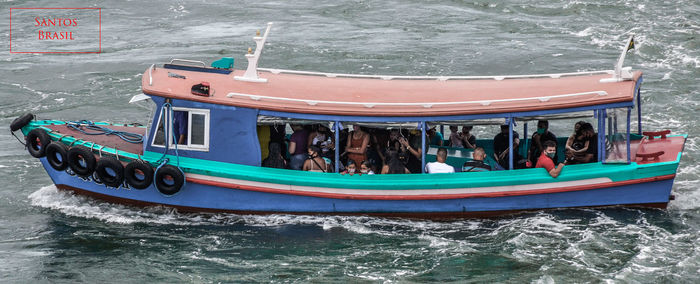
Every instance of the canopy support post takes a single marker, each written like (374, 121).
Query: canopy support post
(510, 143)
(639, 111)
(422, 154)
(601, 135)
(527, 142)
(629, 114)
(336, 129)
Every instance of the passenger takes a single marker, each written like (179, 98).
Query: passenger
(546, 159)
(435, 137)
(501, 149)
(394, 164)
(350, 168)
(275, 159)
(455, 137)
(412, 152)
(584, 147)
(570, 141)
(324, 139)
(366, 168)
(297, 147)
(439, 166)
(477, 164)
(538, 138)
(180, 126)
(314, 162)
(377, 138)
(278, 134)
(356, 147)
(468, 140)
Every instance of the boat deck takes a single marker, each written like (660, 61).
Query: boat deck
(670, 146)
(111, 141)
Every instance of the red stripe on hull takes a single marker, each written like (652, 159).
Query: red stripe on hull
(428, 196)
(412, 215)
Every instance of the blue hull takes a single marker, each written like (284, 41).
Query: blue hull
(198, 197)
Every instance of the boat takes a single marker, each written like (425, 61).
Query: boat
(217, 167)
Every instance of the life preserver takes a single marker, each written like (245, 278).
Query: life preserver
(37, 140)
(81, 161)
(21, 121)
(138, 174)
(169, 179)
(57, 155)
(110, 171)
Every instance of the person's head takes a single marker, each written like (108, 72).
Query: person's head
(504, 128)
(313, 151)
(441, 155)
(578, 125)
(479, 154)
(467, 128)
(357, 128)
(550, 148)
(453, 128)
(351, 167)
(365, 167)
(587, 130)
(431, 131)
(394, 134)
(394, 162)
(275, 149)
(542, 126)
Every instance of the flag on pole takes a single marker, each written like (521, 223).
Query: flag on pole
(631, 45)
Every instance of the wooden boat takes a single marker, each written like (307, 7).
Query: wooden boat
(217, 167)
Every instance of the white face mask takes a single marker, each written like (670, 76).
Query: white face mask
(352, 171)
(364, 171)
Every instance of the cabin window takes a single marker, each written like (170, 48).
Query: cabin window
(189, 129)
(616, 143)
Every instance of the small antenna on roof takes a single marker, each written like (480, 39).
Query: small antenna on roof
(622, 73)
(251, 74)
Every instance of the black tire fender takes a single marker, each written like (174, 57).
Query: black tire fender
(37, 140)
(57, 155)
(138, 174)
(168, 172)
(113, 179)
(79, 154)
(21, 121)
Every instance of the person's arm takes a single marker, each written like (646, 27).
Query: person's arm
(467, 144)
(406, 171)
(385, 169)
(556, 170)
(347, 145)
(584, 149)
(311, 138)
(570, 142)
(181, 139)
(307, 165)
(292, 147)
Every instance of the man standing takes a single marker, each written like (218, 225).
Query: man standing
(440, 166)
(545, 160)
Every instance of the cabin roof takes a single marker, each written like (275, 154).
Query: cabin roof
(329, 94)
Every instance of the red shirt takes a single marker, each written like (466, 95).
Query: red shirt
(545, 162)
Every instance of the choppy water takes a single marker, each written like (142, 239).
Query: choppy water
(49, 236)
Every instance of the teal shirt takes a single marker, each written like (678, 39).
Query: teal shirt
(436, 139)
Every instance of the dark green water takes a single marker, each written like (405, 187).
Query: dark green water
(47, 236)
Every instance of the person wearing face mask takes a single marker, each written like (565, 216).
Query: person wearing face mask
(538, 138)
(366, 168)
(546, 159)
(350, 168)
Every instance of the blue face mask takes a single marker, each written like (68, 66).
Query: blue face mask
(540, 131)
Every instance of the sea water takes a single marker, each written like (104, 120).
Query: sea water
(51, 236)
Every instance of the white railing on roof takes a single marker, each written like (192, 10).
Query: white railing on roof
(425, 104)
(439, 78)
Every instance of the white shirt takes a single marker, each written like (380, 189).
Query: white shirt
(437, 167)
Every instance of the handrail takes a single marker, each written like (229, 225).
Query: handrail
(189, 61)
(425, 104)
(150, 74)
(439, 78)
